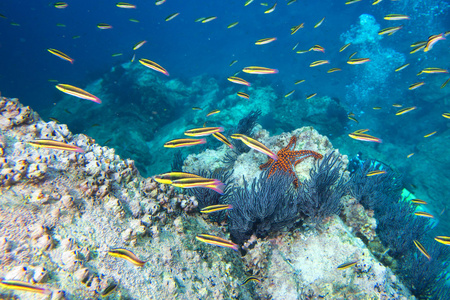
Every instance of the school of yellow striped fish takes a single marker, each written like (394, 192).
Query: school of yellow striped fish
(187, 180)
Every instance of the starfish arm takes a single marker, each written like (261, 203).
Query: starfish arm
(265, 165)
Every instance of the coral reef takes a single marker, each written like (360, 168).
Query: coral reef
(56, 229)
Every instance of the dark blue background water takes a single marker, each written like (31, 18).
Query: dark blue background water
(183, 47)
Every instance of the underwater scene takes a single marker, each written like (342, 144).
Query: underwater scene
(238, 149)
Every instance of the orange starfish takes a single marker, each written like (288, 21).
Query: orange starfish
(287, 158)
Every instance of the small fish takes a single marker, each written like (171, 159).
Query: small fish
(259, 70)
(54, 120)
(193, 182)
(203, 131)
(133, 20)
(319, 23)
(76, 37)
(3, 16)
(333, 70)
(170, 17)
(139, 44)
(357, 61)
(416, 85)
(433, 71)
(243, 95)
(389, 30)
(432, 40)
(409, 155)
(417, 49)
(134, 57)
(376, 2)
(271, 9)
(405, 110)
(152, 65)
(108, 290)
(251, 278)
(265, 41)
(351, 1)
(359, 135)
(104, 26)
(52, 80)
(310, 96)
(422, 249)
(199, 19)
(67, 111)
(401, 67)
(288, 94)
(347, 265)
(254, 144)
(217, 241)
(353, 54)
(396, 17)
(317, 48)
(344, 47)
(291, 1)
(319, 63)
(446, 115)
(208, 19)
(107, 142)
(248, 2)
(213, 112)
(77, 92)
(302, 51)
(232, 25)
(376, 107)
(51, 144)
(376, 172)
(424, 214)
(295, 29)
(60, 25)
(197, 108)
(238, 80)
(299, 81)
(159, 2)
(116, 54)
(61, 55)
(214, 208)
(125, 5)
(223, 139)
(60, 5)
(353, 119)
(445, 83)
(184, 143)
(397, 105)
(168, 177)
(23, 286)
(419, 201)
(233, 62)
(213, 184)
(420, 43)
(443, 240)
(127, 255)
(295, 47)
(430, 134)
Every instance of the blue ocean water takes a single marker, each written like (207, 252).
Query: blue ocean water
(187, 49)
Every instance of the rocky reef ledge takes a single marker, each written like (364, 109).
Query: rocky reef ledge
(61, 212)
